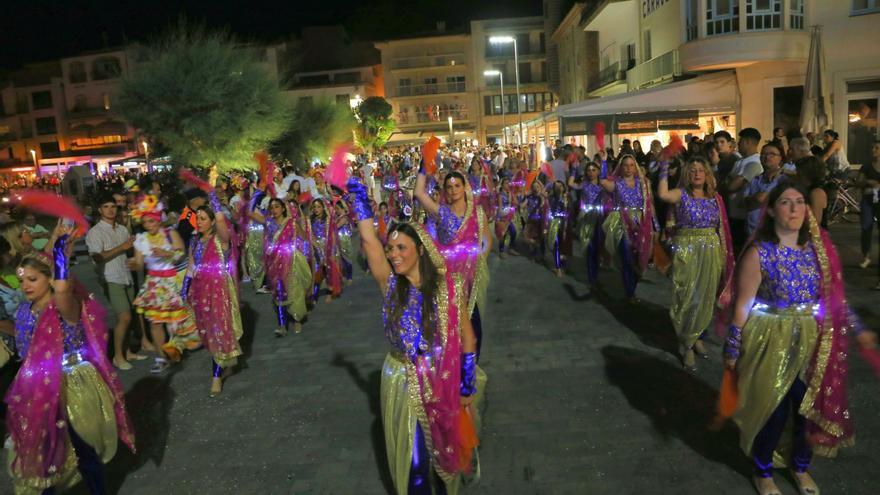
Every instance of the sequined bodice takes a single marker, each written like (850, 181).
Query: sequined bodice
(506, 204)
(26, 323)
(477, 185)
(406, 334)
(591, 193)
(272, 228)
(534, 206)
(319, 230)
(788, 276)
(558, 207)
(448, 225)
(627, 197)
(696, 213)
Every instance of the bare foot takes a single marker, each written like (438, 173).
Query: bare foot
(216, 386)
(147, 346)
(766, 486)
(328, 299)
(700, 349)
(806, 484)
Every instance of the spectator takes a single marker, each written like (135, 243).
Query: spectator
(756, 193)
(727, 155)
(744, 172)
(38, 233)
(869, 180)
(811, 174)
(833, 154)
(108, 242)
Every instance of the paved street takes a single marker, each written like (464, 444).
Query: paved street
(585, 395)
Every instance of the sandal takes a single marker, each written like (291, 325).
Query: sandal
(805, 483)
(160, 365)
(769, 488)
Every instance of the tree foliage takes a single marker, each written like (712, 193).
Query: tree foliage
(205, 98)
(375, 125)
(312, 130)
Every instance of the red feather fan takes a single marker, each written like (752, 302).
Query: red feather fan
(675, 147)
(530, 178)
(429, 154)
(304, 198)
(599, 131)
(336, 173)
(51, 204)
(187, 175)
(266, 173)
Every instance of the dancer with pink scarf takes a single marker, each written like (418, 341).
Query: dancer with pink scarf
(787, 343)
(66, 407)
(629, 227)
(430, 381)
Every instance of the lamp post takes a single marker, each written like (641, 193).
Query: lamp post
(34, 159)
(510, 39)
(500, 75)
(451, 135)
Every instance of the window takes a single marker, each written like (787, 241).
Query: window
(496, 105)
(692, 17)
(646, 49)
(45, 125)
(543, 71)
(77, 73)
(80, 102)
(342, 99)
(525, 72)
(762, 15)
(106, 68)
(523, 47)
(796, 19)
(21, 103)
(26, 129)
(787, 107)
(860, 7)
(861, 128)
(543, 43)
(629, 54)
(49, 148)
(530, 102)
(41, 100)
(722, 16)
(431, 85)
(404, 87)
(455, 84)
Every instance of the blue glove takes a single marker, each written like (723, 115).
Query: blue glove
(60, 257)
(468, 374)
(215, 202)
(360, 202)
(256, 199)
(184, 290)
(733, 342)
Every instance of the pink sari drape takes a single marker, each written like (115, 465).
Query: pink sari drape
(34, 398)
(279, 256)
(213, 301)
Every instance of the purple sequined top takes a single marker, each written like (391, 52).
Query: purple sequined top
(405, 335)
(557, 207)
(506, 204)
(788, 276)
(476, 185)
(534, 207)
(696, 213)
(447, 225)
(26, 323)
(591, 194)
(627, 197)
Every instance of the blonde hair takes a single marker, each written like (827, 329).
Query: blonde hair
(685, 179)
(12, 233)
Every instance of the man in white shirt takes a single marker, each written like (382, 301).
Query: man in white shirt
(744, 171)
(108, 242)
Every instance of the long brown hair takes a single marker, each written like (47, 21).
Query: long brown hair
(429, 278)
(767, 229)
(685, 179)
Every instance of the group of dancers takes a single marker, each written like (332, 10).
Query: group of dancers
(782, 305)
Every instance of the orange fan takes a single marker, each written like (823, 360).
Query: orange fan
(467, 439)
(530, 178)
(429, 154)
(728, 398)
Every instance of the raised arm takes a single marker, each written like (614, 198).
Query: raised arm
(607, 184)
(421, 194)
(670, 196)
(65, 300)
(372, 246)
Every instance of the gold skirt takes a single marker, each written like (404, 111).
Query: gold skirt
(299, 284)
(399, 421)
(615, 230)
(696, 272)
(776, 348)
(89, 408)
(253, 256)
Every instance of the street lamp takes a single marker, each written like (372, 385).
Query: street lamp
(34, 159)
(449, 119)
(493, 73)
(499, 40)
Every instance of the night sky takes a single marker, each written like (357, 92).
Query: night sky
(38, 30)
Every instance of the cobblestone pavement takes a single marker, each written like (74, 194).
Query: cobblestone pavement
(585, 395)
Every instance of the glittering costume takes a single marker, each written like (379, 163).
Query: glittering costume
(346, 249)
(214, 300)
(534, 217)
(391, 190)
(66, 407)
(702, 263)
(254, 239)
(326, 248)
(461, 246)
(792, 366)
(483, 191)
(628, 230)
(505, 226)
(288, 268)
(557, 229)
(589, 222)
(159, 299)
(420, 387)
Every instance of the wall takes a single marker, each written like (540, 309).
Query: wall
(666, 26)
(756, 83)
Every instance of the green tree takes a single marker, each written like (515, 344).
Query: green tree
(204, 98)
(312, 130)
(375, 125)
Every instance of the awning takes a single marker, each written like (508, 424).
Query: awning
(711, 92)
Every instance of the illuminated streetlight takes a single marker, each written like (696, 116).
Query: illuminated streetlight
(34, 159)
(500, 40)
(449, 119)
(147, 155)
(493, 73)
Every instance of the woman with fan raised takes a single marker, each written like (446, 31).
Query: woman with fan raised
(590, 218)
(702, 253)
(430, 381)
(66, 406)
(629, 227)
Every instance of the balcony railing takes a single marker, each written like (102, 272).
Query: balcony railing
(446, 60)
(430, 89)
(608, 75)
(657, 69)
(435, 114)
